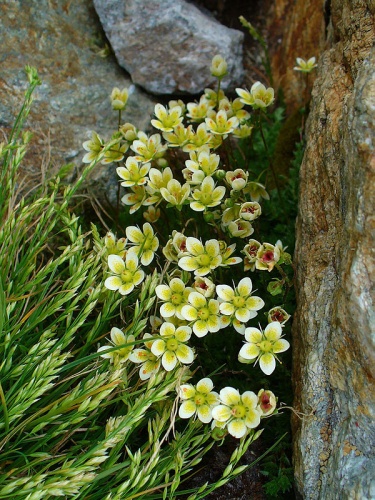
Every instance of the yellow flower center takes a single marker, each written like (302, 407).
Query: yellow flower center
(203, 313)
(238, 302)
(126, 276)
(199, 399)
(176, 299)
(204, 260)
(238, 411)
(265, 346)
(172, 344)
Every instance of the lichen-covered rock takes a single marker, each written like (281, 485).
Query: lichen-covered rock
(334, 344)
(167, 45)
(61, 39)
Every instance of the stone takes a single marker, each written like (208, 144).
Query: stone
(334, 343)
(167, 45)
(62, 39)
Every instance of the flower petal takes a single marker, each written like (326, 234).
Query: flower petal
(116, 264)
(187, 391)
(244, 287)
(273, 331)
(280, 346)
(237, 428)
(249, 351)
(185, 354)
(221, 413)
(187, 409)
(158, 347)
(205, 385)
(253, 335)
(225, 292)
(113, 283)
(204, 414)
(230, 396)
(267, 363)
(169, 360)
(252, 418)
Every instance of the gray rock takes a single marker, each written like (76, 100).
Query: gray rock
(62, 40)
(167, 45)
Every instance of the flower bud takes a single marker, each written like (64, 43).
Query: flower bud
(219, 66)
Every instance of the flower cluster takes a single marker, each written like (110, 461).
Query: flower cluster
(185, 168)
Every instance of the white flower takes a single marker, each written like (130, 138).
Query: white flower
(146, 243)
(198, 400)
(171, 346)
(239, 303)
(127, 274)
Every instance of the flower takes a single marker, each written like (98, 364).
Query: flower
(266, 402)
(148, 148)
(94, 147)
(115, 153)
(250, 250)
(278, 314)
(199, 399)
(179, 137)
(203, 160)
(127, 273)
(152, 214)
(256, 191)
(267, 256)
(119, 98)
(157, 180)
(128, 131)
(175, 194)
(202, 313)
(250, 210)
(136, 198)
(198, 138)
(264, 346)
(200, 258)
(167, 119)
(171, 346)
(207, 196)
(114, 247)
(204, 286)
(220, 124)
(240, 228)
(134, 174)
(258, 97)
(146, 243)
(305, 66)
(219, 66)
(197, 112)
(175, 296)
(149, 362)
(118, 339)
(226, 253)
(239, 412)
(239, 303)
(237, 179)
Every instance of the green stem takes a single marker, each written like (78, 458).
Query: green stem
(5, 409)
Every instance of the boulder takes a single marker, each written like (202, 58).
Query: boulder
(62, 39)
(167, 45)
(334, 344)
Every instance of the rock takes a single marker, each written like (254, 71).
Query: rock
(167, 45)
(60, 39)
(334, 345)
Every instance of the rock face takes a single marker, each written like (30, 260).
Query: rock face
(334, 343)
(167, 45)
(60, 38)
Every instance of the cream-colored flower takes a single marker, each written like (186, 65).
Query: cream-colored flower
(258, 97)
(250, 210)
(219, 66)
(127, 275)
(119, 98)
(114, 246)
(200, 258)
(238, 302)
(136, 198)
(148, 148)
(94, 147)
(263, 346)
(175, 194)
(240, 228)
(256, 191)
(220, 124)
(197, 112)
(267, 257)
(115, 153)
(305, 66)
(175, 296)
(207, 196)
(204, 286)
(134, 173)
(167, 119)
(203, 160)
(250, 250)
(203, 314)
(198, 400)
(278, 314)
(152, 214)
(179, 137)
(226, 254)
(266, 402)
(124, 344)
(171, 346)
(149, 362)
(243, 131)
(129, 132)
(239, 412)
(197, 139)
(158, 180)
(145, 243)
(237, 179)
